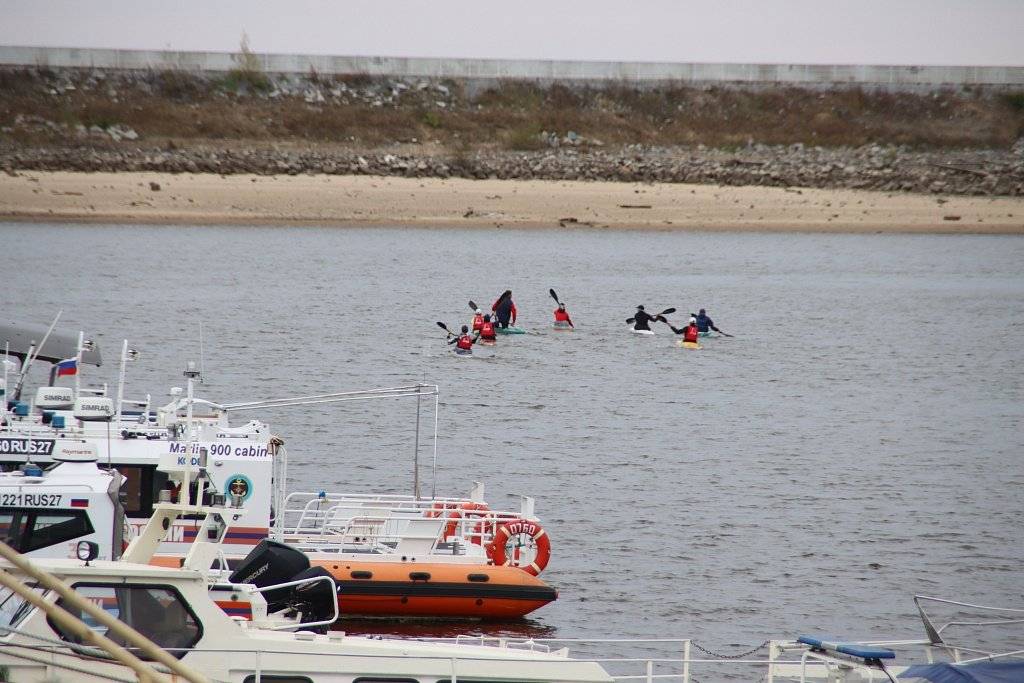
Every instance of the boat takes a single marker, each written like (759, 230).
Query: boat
(995, 657)
(689, 345)
(510, 330)
(645, 333)
(376, 545)
(71, 619)
(562, 325)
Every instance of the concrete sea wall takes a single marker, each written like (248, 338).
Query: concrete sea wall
(594, 73)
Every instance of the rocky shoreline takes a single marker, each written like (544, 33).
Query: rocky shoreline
(891, 169)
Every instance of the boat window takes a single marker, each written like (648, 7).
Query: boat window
(28, 529)
(13, 607)
(283, 679)
(384, 680)
(56, 526)
(157, 612)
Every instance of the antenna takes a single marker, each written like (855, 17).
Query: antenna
(202, 366)
(32, 356)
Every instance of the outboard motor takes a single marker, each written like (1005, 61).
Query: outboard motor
(271, 563)
(316, 600)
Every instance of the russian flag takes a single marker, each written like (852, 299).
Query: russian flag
(67, 367)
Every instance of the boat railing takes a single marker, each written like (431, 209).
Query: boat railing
(386, 519)
(288, 625)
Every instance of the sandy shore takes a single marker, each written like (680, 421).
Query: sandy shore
(369, 200)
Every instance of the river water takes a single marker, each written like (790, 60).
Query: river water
(859, 440)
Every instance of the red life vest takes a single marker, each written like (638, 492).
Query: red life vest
(478, 321)
(487, 331)
(561, 316)
(465, 342)
(690, 334)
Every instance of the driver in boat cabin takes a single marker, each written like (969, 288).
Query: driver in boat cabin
(642, 319)
(464, 342)
(562, 316)
(704, 323)
(689, 332)
(487, 332)
(504, 310)
(478, 320)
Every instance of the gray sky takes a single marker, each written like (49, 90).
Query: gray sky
(816, 31)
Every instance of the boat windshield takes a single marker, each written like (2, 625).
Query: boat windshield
(14, 608)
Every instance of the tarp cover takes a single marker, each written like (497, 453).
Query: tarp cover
(979, 672)
(58, 347)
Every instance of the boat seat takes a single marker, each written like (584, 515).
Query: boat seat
(852, 649)
(420, 535)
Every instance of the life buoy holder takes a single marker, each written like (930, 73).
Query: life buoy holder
(453, 513)
(516, 527)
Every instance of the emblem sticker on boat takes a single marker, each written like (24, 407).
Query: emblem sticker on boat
(239, 485)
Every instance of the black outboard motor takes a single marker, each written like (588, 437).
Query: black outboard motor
(315, 600)
(271, 563)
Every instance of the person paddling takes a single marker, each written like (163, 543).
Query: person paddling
(504, 310)
(690, 332)
(464, 342)
(487, 332)
(642, 319)
(706, 324)
(478, 320)
(562, 317)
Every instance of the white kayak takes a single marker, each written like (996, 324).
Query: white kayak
(646, 333)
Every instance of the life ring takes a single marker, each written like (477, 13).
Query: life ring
(496, 548)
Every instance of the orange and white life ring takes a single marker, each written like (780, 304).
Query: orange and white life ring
(517, 527)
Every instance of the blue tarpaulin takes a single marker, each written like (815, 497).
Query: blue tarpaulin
(979, 672)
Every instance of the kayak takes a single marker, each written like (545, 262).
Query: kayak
(689, 345)
(559, 325)
(510, 330)
(706, 334)
(487, 342)
(465, 353)
(646, 333)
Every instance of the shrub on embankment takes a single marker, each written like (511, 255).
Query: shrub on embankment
(247, 105)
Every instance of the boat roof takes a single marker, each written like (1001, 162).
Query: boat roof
(975, 672)
(106, 569)
(59, 345)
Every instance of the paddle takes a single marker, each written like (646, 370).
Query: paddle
(445, 328)
(657, 317)
(473, 305)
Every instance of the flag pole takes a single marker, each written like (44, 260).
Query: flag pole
(120, 385)
(78, 363)
(7, 359)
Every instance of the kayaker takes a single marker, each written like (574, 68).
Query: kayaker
(487, 332)
(705, 324)
(478, 320)
(464, 342)
(642, 320)
(562, 316)
(690, 332)
(504, 310)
